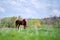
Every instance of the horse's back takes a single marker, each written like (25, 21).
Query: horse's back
(18, 22)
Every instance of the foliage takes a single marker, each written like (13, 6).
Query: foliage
(34, 22)
(56, 24)
(52, 22)
(8, 22)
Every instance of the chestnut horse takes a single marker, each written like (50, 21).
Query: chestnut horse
(21, 22)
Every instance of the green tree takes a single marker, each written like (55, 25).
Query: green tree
(56, 24)
(34, 22)
(8, 22)
(13, 19)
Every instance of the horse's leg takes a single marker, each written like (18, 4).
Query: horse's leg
(24, 26)
(18, 27)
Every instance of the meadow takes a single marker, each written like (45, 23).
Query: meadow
(38, 29)
(30, 34)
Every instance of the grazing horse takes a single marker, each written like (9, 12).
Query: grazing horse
(21, 22)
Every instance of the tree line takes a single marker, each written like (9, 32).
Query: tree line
(46, 22)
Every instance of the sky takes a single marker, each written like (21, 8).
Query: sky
(29, 8)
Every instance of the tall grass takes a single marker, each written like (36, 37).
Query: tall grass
(30, 34)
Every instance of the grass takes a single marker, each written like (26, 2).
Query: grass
(30, 34)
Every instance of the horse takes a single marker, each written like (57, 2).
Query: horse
(21, 22)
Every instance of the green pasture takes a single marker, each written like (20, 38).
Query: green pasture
(30, 34)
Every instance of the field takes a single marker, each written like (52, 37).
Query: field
(30, 34)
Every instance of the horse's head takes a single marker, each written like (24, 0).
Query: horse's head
(24, 19)
(25, 22)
